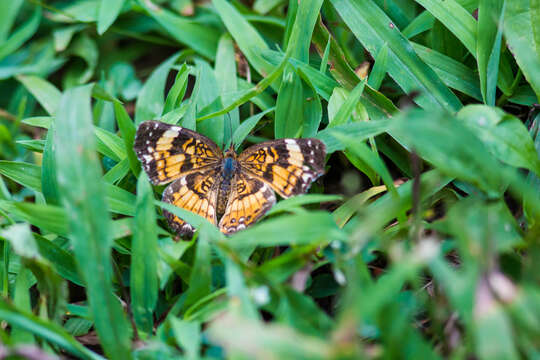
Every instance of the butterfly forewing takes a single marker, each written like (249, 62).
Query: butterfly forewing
(168, 152)
(196, 192)
(249, 200)
(289, 166)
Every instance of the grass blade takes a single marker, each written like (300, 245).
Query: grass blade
(373, 29)
(89, 226)
(144, 281)
(108, 12)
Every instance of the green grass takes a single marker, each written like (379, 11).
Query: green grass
(421, 240)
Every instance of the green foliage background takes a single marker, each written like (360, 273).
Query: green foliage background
(421, 241)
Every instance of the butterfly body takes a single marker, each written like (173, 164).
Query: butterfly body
(232, 191)
(228, 172)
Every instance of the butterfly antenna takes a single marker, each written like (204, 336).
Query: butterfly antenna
(230, 130)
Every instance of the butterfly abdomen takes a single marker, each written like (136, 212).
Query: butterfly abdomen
(228, 170)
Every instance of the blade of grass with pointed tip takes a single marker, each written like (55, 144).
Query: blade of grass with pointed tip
(200, 282)
(143, 279)
(45, 329)
(345, 111)
(150, 102)
(359, 130)
(89, 225)
(488, 46)
(208, 99)
(225, 70)
(127, 128)
(377, 74)
(46, 94)
(245, 128)
(178, 90)
(312, 108)
(26, 174)
(454, 74)
(421, 23)
(21, 34)
(246, 36)
(250, 93)
(302, 30)
(289, 106)
(49, 184)
(456, 18)
(373, 29)
(315, 227)
(519, 33)
(200, 37)
(9, 11)
(108, 12)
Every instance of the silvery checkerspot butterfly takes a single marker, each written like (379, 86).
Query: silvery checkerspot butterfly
(232, 191)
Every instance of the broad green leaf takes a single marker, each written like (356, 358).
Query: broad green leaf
(373, 29)
(89, 226)
(144, 281)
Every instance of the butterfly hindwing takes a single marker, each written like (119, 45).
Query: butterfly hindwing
(249, 200)
(168, 152)
(195, 192)
(289, 166)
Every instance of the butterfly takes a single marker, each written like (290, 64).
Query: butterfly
(231, 191)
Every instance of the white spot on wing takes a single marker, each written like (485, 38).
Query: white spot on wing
(150, 149)
(170, 133)
(183, 181)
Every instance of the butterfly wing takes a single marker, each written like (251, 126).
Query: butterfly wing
(289, 166)
(196, 192)
(249, 200)
(168, 152)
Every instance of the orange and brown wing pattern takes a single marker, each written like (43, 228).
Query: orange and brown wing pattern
(249, 200)
(168, 152)
(196, 192)
(289, 166)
